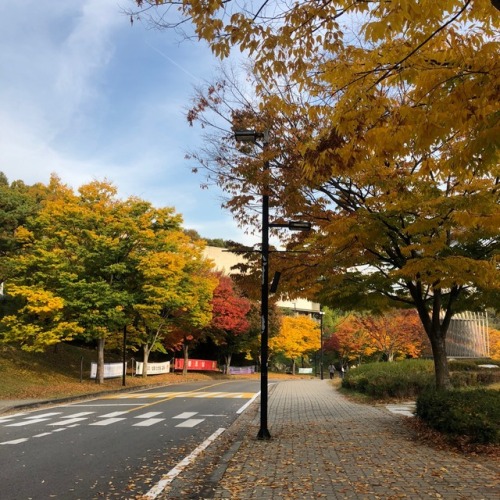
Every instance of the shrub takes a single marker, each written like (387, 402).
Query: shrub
(469, 373)
(456, 365)
(403, 379)
(474, 414)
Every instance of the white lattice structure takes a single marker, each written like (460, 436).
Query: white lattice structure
(468, 336)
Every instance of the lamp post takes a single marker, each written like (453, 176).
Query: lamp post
(321, 314)
(253, 136)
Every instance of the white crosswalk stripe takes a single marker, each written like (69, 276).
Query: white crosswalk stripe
(27, 422)
(186, 414)
(191, 422)
(107, 421)
(113, 414)
(78, 415)
(44, 415)
(68, 421)
(15, 441)
(148, 422)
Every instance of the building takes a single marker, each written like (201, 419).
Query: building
(224, 260)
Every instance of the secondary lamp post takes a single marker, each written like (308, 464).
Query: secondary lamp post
(253, 136)
(321, 314)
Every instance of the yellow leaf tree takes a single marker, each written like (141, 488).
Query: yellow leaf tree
(383, 121)
(298, 336)
(38, 321)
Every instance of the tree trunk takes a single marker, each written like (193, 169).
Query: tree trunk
(99, 379)
(227, 358)
(293, 366)
(436, 326)
(145, 360)
(185, 350)
(438, 344)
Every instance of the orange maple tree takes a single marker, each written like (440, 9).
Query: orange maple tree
(494, 343)
(395, 333)
(350, 341)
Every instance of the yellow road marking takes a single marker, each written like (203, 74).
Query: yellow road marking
(170, 395)
(150, 395)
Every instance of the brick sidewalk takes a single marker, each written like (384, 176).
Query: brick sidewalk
(324, 446)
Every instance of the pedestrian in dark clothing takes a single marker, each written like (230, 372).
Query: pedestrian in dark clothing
(331, 370)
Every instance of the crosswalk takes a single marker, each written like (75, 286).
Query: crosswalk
(57, 421)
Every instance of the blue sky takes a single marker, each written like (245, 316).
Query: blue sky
(87, 96)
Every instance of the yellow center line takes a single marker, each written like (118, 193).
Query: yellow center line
(172, 396)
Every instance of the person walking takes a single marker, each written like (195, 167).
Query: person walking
(331, 370)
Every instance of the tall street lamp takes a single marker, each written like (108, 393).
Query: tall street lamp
(253, 136)
(321, 314)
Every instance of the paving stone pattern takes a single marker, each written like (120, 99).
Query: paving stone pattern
(324, 446)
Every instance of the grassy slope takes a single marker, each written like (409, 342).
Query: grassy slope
(56, 374)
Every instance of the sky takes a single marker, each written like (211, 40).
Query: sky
(88, 96)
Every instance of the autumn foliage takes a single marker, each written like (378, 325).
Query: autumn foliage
(88, 264)
(298, 336)
(229, 318)
(395, 334)
(383, 126)
(494, 343)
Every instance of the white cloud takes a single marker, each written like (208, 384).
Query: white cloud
(87, 96)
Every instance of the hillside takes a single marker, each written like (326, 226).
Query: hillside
(56, 374)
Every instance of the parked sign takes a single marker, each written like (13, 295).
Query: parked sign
(305, 370)
(111, 370)
(196, 364)
(153, 368)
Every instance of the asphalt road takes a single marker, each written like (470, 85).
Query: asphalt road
(122, 445)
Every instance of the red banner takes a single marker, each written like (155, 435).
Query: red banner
(196, 364)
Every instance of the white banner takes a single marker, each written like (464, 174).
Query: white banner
(111, 370)
(305, 370)
(153, 368)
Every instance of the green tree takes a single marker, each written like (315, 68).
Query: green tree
(18, 202)
(77, 252)
(173, 287)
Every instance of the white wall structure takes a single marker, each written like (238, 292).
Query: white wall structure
(468, 336)
(225, 260)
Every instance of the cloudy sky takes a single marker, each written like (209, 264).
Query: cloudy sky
(87, 96)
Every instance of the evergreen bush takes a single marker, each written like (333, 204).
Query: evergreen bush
(474, 414)
(403, 379)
